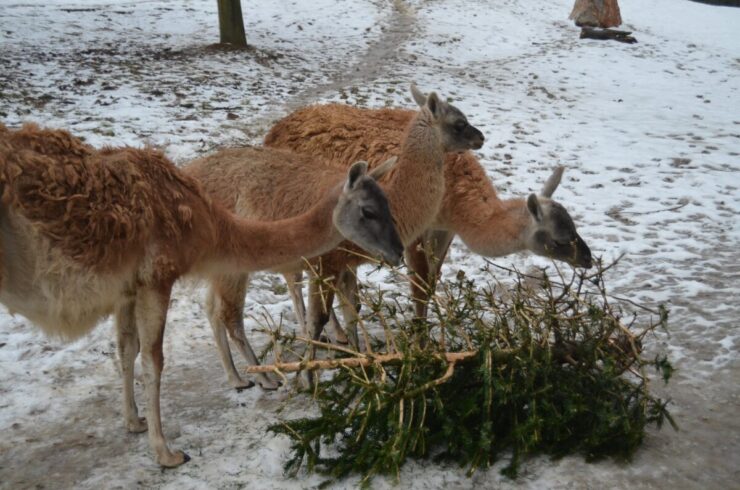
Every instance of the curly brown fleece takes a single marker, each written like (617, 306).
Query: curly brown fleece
(332, 131)
(99, 207)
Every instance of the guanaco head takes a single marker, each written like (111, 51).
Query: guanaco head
(552, 232)
(363, 215)
(455, 132)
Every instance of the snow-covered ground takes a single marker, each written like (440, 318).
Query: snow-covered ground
(650, 134)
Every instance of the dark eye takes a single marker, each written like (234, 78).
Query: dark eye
(460, 125)
(369, 214)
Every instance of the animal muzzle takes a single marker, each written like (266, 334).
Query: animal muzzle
(476, 138)
(395, 252)
(582, 255)
(394, 259)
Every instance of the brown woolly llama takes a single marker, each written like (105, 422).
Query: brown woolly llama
(85, 233)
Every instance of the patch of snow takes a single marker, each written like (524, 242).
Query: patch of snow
(649, 134)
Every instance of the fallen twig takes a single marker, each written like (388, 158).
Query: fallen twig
(287, 367)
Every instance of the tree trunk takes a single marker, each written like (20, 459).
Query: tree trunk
(596, 13)
(231, 23)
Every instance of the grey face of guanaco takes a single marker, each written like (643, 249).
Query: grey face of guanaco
(363, 216)
(554, 234)
(456, 133)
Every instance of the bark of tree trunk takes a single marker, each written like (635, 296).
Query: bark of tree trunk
(231, 23)
(596, 13)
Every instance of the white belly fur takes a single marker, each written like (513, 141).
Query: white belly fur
(64, 299)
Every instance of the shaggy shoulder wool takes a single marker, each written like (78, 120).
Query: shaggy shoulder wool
(99, 207)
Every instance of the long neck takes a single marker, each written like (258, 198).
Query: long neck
(489, 226)
(246, 245)
(416, 187)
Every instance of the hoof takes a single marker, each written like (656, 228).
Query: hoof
(244, 386)
(269, 385)
(173, 460)
(138, 426)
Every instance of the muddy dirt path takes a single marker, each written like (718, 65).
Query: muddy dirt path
(398, 25)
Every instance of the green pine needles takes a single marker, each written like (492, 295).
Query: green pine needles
(551, 367)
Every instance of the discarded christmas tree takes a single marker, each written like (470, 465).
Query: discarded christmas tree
(516, 368)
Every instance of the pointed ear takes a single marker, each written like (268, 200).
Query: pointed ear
(357, 170)
(533, 205)
(419, 98)
(553, 182)
(434, 105)
(378, 172)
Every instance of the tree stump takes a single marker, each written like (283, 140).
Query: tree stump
(596, 13)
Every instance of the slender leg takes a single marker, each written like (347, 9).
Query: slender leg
(151, 315)
(340, 335)
(440, 246)
(320, 301)
(221, 310)
(296, 293)
(235, 325)
(350, 302)
(295, 289)
(436, 251)
(128, 349)
(230, 312)
(425, 258)
(341, 284)
(416, 261)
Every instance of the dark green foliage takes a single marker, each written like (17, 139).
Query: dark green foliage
(556, 372)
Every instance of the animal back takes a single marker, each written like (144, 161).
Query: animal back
(99, 208)
(342, 134)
